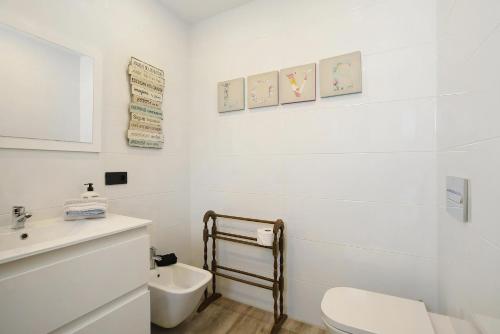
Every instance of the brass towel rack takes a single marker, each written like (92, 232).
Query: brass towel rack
(277, 280)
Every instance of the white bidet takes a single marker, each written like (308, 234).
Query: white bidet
(175, 291)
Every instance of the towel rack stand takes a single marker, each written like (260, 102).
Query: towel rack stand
(277, 248)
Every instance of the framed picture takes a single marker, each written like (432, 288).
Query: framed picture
(231, 95)
(298, 84)
(262, 90)
(340, 75)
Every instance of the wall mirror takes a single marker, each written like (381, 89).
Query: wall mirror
(49, 93)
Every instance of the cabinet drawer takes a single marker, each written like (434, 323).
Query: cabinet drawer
(128, 315)
(71, 282)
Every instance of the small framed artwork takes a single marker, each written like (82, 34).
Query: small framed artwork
(231, 95)
(340, 75)
(262, 90)
(298, 84)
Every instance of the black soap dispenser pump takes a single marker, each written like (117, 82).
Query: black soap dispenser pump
(90, 193)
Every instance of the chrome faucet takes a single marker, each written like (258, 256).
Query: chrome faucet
(153, 257)
(19, 217)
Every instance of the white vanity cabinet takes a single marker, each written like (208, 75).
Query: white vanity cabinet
(90, 278)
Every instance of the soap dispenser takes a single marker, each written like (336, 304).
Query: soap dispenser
(90, 193)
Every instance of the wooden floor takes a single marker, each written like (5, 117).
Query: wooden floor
(228, 316)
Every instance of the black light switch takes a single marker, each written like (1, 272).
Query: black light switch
(115, 178)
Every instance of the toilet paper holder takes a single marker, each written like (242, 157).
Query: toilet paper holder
(277, 247)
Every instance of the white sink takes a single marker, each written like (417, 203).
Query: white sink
(45, 235)
(34, 234)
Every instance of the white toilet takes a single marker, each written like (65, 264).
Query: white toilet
(354, 311)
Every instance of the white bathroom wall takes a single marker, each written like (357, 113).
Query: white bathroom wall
(468, 126)
(157, 179)
(353, 176)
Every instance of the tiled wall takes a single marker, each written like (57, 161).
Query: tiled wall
(352, 176)
(158, 179)
(468, 126)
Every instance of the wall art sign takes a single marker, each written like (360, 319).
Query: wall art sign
(144, 135)
(143, 92)
(146, 102)
(140, 117)
(340, 75)
(145, 143)
(262, 90)
(147, 84)
(139, 73)
(136, 125)
(145, 67)
(231, 95)
(146, 110)
(297, 84)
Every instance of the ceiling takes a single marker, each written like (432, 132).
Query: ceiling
(196, 10)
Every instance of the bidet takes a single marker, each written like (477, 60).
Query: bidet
(176, 290)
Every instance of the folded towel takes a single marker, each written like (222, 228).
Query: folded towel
(86, 213)
(81, 201)
(166, 260)
(68, 218)
(84, 209)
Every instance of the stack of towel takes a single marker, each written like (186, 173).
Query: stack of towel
(77, 209)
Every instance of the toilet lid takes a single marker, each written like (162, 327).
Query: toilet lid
(363, 312)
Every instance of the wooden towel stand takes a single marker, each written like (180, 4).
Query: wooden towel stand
(277, 247)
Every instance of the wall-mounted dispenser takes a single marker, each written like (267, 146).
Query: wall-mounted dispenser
(457, 197)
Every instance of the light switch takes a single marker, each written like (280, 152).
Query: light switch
(457, 198)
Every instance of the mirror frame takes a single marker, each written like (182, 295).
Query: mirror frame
(58, 145)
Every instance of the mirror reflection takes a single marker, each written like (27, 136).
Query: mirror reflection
(46, 90)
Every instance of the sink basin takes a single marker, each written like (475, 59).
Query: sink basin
(44, 235)
(13, 239)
